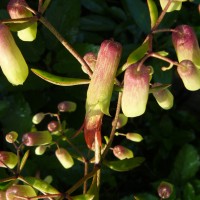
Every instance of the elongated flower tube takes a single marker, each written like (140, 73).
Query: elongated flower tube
(175, 5)
(12, 62)
(163, 97)
(136, 90)
(189, 74)
(100, 89)
(17, 10)
(186, 44)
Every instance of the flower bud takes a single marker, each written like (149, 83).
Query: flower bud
(165, 190)
(53, 126)
(21, 191)
(136, 90)
(67, 106)
(37, 118)
(12, 62)
(163, 97)
(90, 58)
(11, 137)
(8, 159)
(40, 150)
(122, 152)
(189, 74)
(186, 44)
(17, 10)
(100, 89)
(135, 137)
(175, 5)
(64, 157)
(122, 121)
(37, 138)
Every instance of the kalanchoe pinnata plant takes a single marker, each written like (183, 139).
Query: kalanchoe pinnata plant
(12, 62)
(17, 10)
(189, 74)
(186, 44)
(136, 90)
(100, 89)
(164, 97)
(8, 159)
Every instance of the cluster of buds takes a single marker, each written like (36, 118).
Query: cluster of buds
(100, 90)
(17, 10)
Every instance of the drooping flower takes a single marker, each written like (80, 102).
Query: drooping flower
(186, 44)
(12, 62)
(136, 90)
(163, 97)
(189, 74)
(17, 10)
(100, 89)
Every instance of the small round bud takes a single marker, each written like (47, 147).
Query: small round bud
(37, 118)
(135, 137)
(11, 137)
(40, 150)
(53, 126)
(165, 190)
(122, 121)
(122, 152)
(67, 106)
(37, 138)
(64, 157)
(8, 159)
(20, 190)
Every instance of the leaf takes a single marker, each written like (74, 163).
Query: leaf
(153, 11)
(145, 196)
(124, 165)
(24, 159)
(158, 88)
(186, 164)
(96, 6)
(83, 197)
(58, 80)
(188, 192)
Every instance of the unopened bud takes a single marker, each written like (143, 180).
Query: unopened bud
(17, 10)
(136, 90)
(190, 75)
(163, 97)
(37, 138)
(37, 118)
(122, 152)
(186, 44)
(14, 191)
(12, 62)
(64, 157)
(53, 126)
(67, 106)
(122, 121)
(165, 190)
(8, 159)
(174, 5)
(40, 150)
(11, 137)
(90, 58)
(135, 137)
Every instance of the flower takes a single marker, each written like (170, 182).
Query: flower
(12, 62)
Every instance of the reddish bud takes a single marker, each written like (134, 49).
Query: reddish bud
(17, 10)
(37, 138)
(64, 157)
(12, 62)
(53, 126)
(8, 159)
(122, 152)
(67, 106)
(165, 190)
(90, 58)
(136, 90)
(16, 191)
(11, 137)
(163, 97)
(189, 74)
(186, 44)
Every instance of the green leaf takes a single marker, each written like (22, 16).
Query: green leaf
(186, 164)
(83, 197)
(96, 6)
(158, 88)
(58, 80)
(153, 11)
(188, 192)
(41, 185)
(23, 161)
(124, 165)
(145, 196)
